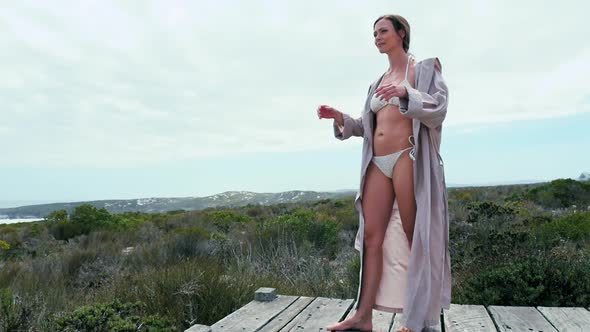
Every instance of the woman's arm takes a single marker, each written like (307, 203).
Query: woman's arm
(430, 108)
(344, 125)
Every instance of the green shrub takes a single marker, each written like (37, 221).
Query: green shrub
(518, 283)
(535, 281)
(189, 241)
(57, 216)
(17, 312)
(302, 226)
(4, 245)
(8, 251)
(561, 193)
(216, 236)
(195, 232)
(341, 211)
(6, 229)
(113, 316)
(479, 211)
(35, 229)
(89, 216)
(71, 263)
(491, 246)
(9, 313)
(224, 218)
(65, 230)
(574, 227)
(228, 216)
(118, 222)
(461, 195)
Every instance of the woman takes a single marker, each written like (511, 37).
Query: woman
(401, 171)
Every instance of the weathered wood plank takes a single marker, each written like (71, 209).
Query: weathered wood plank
(382, 320)
(466, 318)
(319, 314)
(282, 319)
(199, 328)
(516, 319)
(253, 315)
(567, 319)
(397, 324)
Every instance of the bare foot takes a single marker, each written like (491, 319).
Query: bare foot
(404, 329)
(356, 322)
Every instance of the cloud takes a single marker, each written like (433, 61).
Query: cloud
(113, 84)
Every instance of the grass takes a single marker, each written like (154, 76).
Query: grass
(197, 267)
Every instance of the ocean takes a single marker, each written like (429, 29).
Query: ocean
(14, 221)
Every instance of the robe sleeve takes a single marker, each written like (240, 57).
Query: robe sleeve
(352, 127)
(430, 108)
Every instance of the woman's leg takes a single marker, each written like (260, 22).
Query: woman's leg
(403, 183)
(378, 198)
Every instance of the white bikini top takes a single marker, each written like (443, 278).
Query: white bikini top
(377, 103)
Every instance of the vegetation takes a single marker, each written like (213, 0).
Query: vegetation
(96, 271)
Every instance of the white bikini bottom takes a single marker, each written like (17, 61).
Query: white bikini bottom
(387, 163)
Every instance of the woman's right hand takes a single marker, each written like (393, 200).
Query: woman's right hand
(327, 112)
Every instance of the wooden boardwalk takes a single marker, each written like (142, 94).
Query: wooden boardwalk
(269, 312)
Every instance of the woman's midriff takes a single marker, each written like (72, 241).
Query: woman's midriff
(392, 130)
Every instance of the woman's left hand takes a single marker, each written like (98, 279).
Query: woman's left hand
(388, 91)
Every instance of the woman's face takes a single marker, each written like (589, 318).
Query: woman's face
(386, 38)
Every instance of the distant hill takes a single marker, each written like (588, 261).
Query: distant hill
(495, 183)
(150, 205)
(228, 199)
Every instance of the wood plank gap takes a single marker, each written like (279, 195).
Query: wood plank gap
(520, 318)
(567, 318)
(320, 313)
(467, 317)
(253, 315)
(492, 318)
(291, 312)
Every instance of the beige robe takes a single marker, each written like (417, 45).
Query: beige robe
(428, 285)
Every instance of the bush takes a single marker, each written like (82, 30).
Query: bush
(479, 211)
(574, 227)
(90, 217)
(87, 218)
(113, 316)
(65, 230)
(491, 246)
(16, 312)
(228, 216)
(223, 219)
(515, 284)
(189, 242)
(57, 216)
(302, 226)
(4, 245)
(561, 193)
(195, 232)
(461, 195)
(535, 281)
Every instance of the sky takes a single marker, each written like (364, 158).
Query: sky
(127, 99)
